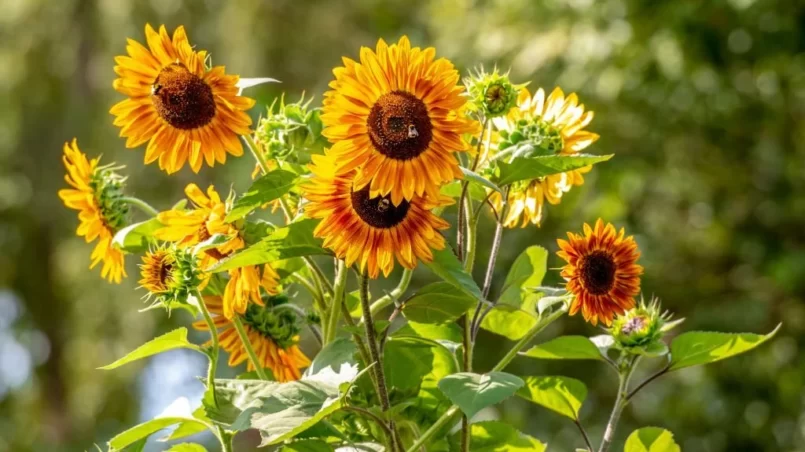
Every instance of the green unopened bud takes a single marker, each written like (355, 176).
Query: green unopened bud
(108, 188)
(640, 329)
(287, 129)
(493, 93)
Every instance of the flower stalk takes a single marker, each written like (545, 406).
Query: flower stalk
(247, 345)
(339, 288)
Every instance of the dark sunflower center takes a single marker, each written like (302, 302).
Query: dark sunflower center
(598, 272)
(165, 269)
(379, 211)
(399, 125)
(182, 99)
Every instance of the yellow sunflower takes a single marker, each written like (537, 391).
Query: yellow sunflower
(601, 272)
(184, 111)
(397, 118)
(156, 271)
(97, 195)
(367, 230)
(553, 126)
(273, 335)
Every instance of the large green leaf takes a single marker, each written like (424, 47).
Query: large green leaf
(187, 447)
(278, 410)
(408, 359)
(294, 240)
(565, 347)
(701, 347)
(438, 332)
(145, 430)
(527, 271)
(478, 179)
(496, 436)
(508, 321)
(563, 395)
(439, 302)
(338, 352)
(168, 341)
(527, 168)
(473, 392)
(265, 189)
(446, 265)
(651, 439)
(137, 237)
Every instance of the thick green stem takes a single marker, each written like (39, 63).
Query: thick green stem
(453, 413)
(338, 297)
(386, 300)
(223, 436)
(462, 206)
(258, 156)
(247, 345)
(624, 375)
(142, 205)
(225, 439)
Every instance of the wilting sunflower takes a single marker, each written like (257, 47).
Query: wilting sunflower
(540, 126)
(185, 111)
(367, 230)
(397, 118)
(97, 194)
(601, 271)
(273, 334)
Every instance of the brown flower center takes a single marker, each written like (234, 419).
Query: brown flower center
(399, 125)
(379, 211)
(165, 269)
(598, 272)
(182, 99)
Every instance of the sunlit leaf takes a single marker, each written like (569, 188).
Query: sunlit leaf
(168, 341)
(265, 189)
(137, 237)
(527, 270)
(563, 395)
(528, 168)
(338, 352)
(651, 439)
(145, 430)
(446, 265)
(565, 347)
(439, 302)
(508, 321)
(496, 436)
(478, 179)
(187, 447)
(701, 347)
(473, 392)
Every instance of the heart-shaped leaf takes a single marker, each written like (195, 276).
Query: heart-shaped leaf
(473, 392)
(651, 439)
(563, 395)
(496, 436)
(439, 302)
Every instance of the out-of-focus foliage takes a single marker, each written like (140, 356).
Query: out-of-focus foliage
(703, 102)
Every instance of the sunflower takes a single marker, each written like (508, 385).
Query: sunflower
(97, 194)
(273, 335)
(184, 111)
(550, 126)
(156, 271)
(397, 118)
(601, 272)
(370, 230)
(244, 287)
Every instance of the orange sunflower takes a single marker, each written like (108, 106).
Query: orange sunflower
(185, 111)
(552, 126)
(397, 118)
(367, 230)
(273, 335)
(97, 194)
(601, 272)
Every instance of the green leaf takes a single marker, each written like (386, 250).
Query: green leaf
(137, 237)
(565, 347)
(264, 189)
(333, 355)
(146, 429)
(453, 190)
(473, 392)
(478, 179)
(528, 168)
(168, 341)
(185, 429)
(437, 332)
(446, 265)
(497, 436)
(294, 240)
(410, 359)
(508, 321)
(527, 270)
(651, 439)
(437, 303)
(187, 447)
(278, 410)
(307, 445)
(700, 347)
(563, 395)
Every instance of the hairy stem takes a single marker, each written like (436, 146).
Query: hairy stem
(461, 199)
(621, 400)
(335, 306)
(386, 300)
(140, 204)
(223, 436)
(244, 338)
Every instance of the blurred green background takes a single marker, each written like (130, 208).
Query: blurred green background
(703, 103)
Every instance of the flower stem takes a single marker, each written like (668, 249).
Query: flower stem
(462, 206)
(624, 375)
(244, 338)
(584, 435)
(335, 306)
(452, 413)
(386, 300)
(258, 156)
(142, 205)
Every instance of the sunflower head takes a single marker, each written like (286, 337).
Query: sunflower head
(289, 130)
(493, 94)
(278, 324)
(601, 271)
(170, 275)
(641, 326)
(108, 187)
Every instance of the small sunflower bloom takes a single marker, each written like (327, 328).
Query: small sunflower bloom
(371, 231)
(185, 111)
(601, 272)
(396, 117)
(273, 334)
(170, 275)
(97, 194)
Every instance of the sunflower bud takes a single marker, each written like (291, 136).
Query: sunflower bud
(108, 188)
(492, 94)
(640, 329)
(278, 324)
(288, 128)
(170, 275)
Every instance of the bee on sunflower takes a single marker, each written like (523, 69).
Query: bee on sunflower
(97, 195)
(186, 111)
(601, 271)
(371, 231)
(190, 227)
(396, 118)
(540, 126)
(273, 335)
